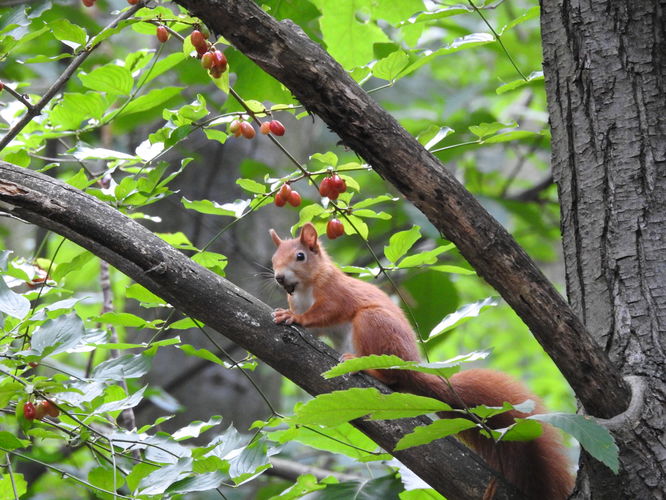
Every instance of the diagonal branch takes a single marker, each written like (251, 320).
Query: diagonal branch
(284, 51)
(239, 316)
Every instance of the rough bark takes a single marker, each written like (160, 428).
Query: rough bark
(605, 68)
(448, 466)
(319, 83)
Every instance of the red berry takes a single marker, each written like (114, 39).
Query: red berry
(216, 72)
(207, 60)
(338, 184)
(332, 193)
(132, 2)
(33, 364)
(198, 40)
(201, 50)
(277, 128)
(265, 128)
(51, 409)
(88, 3)
(334, 228)
(29, 410)
(294, 199)
(2, 86)
(285, 190)
(247, 130)
(279, 200)
(162, 33)
(325, 186)
(220, 60)
(234, 128)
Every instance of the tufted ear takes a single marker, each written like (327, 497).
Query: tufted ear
(274, 236)
(308, 237)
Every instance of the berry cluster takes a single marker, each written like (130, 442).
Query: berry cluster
(40, 410)
(273, 126)
(332, 186)
(287, 195)
(211, 59)
(241, 127)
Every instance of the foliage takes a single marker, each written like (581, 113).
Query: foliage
(62, 342)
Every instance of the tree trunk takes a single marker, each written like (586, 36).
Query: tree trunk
(605, 68)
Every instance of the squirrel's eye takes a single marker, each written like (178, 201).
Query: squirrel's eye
(300, 256)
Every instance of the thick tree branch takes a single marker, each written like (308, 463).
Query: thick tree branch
(319, 83)
(446, 465)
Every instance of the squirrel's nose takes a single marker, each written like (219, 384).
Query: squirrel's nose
(280, 279)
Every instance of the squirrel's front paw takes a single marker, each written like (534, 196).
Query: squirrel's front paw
(283, 316)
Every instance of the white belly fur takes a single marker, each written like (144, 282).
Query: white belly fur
(301, 300)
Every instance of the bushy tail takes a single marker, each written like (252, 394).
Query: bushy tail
(539, 468)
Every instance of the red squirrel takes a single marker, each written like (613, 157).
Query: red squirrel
(321, 296)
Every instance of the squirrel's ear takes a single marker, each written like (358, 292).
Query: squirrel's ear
(308, 237)
(274, 236)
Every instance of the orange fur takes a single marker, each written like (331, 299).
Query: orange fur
(322, 296)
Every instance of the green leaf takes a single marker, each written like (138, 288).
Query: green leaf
(324, 159)
(103, 477)
(111, 78)
(485, 129)
(522, 430)
(122, 319)
(201, 353)
(536, 76)
(368, 202)
(123, 367)
(595, 438)
(387, 487)
(400, 243)
(462, 314)
(510, 136)
(372, 362)
(58, 335)
(122, 404)
(337, 407)
(143, 295)
(73, 109)
(347, 39)
(216, 135)
(436, 430)
(157, 482)
(11, 303)
(371, 214)
(9, 441)
(153, 99)
(424, 258)
(235, 209)
(213, 261)
(14, 486)
(252, 186)
(196, 428)
(309, 212)
(200, 482)
(76, 264)
(65, 31)
(390, 67)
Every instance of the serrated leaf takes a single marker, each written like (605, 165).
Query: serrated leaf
(11, 303)
(58, 335)
(436, 430)
(401, 242)
(462, 314)
(127, 366)
(111, 78)
(342, 406)
(596, 439)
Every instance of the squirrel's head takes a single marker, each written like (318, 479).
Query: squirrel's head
(297, 261)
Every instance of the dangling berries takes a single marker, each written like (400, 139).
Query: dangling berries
(2, 86)
(207, 60)
(50, 409)
(294, 199)
(334, 228)
(162, 33)
(247, 130)
(265, 128)
(29, 411)
(234, 128)
(132, 2)
(88, 3)
(279, 200)
(199, 41)
(277, 128)
(285, 191)
(332, 187)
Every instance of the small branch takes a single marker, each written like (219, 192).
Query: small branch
(17, 96)
(36, 109)
(290, 470)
